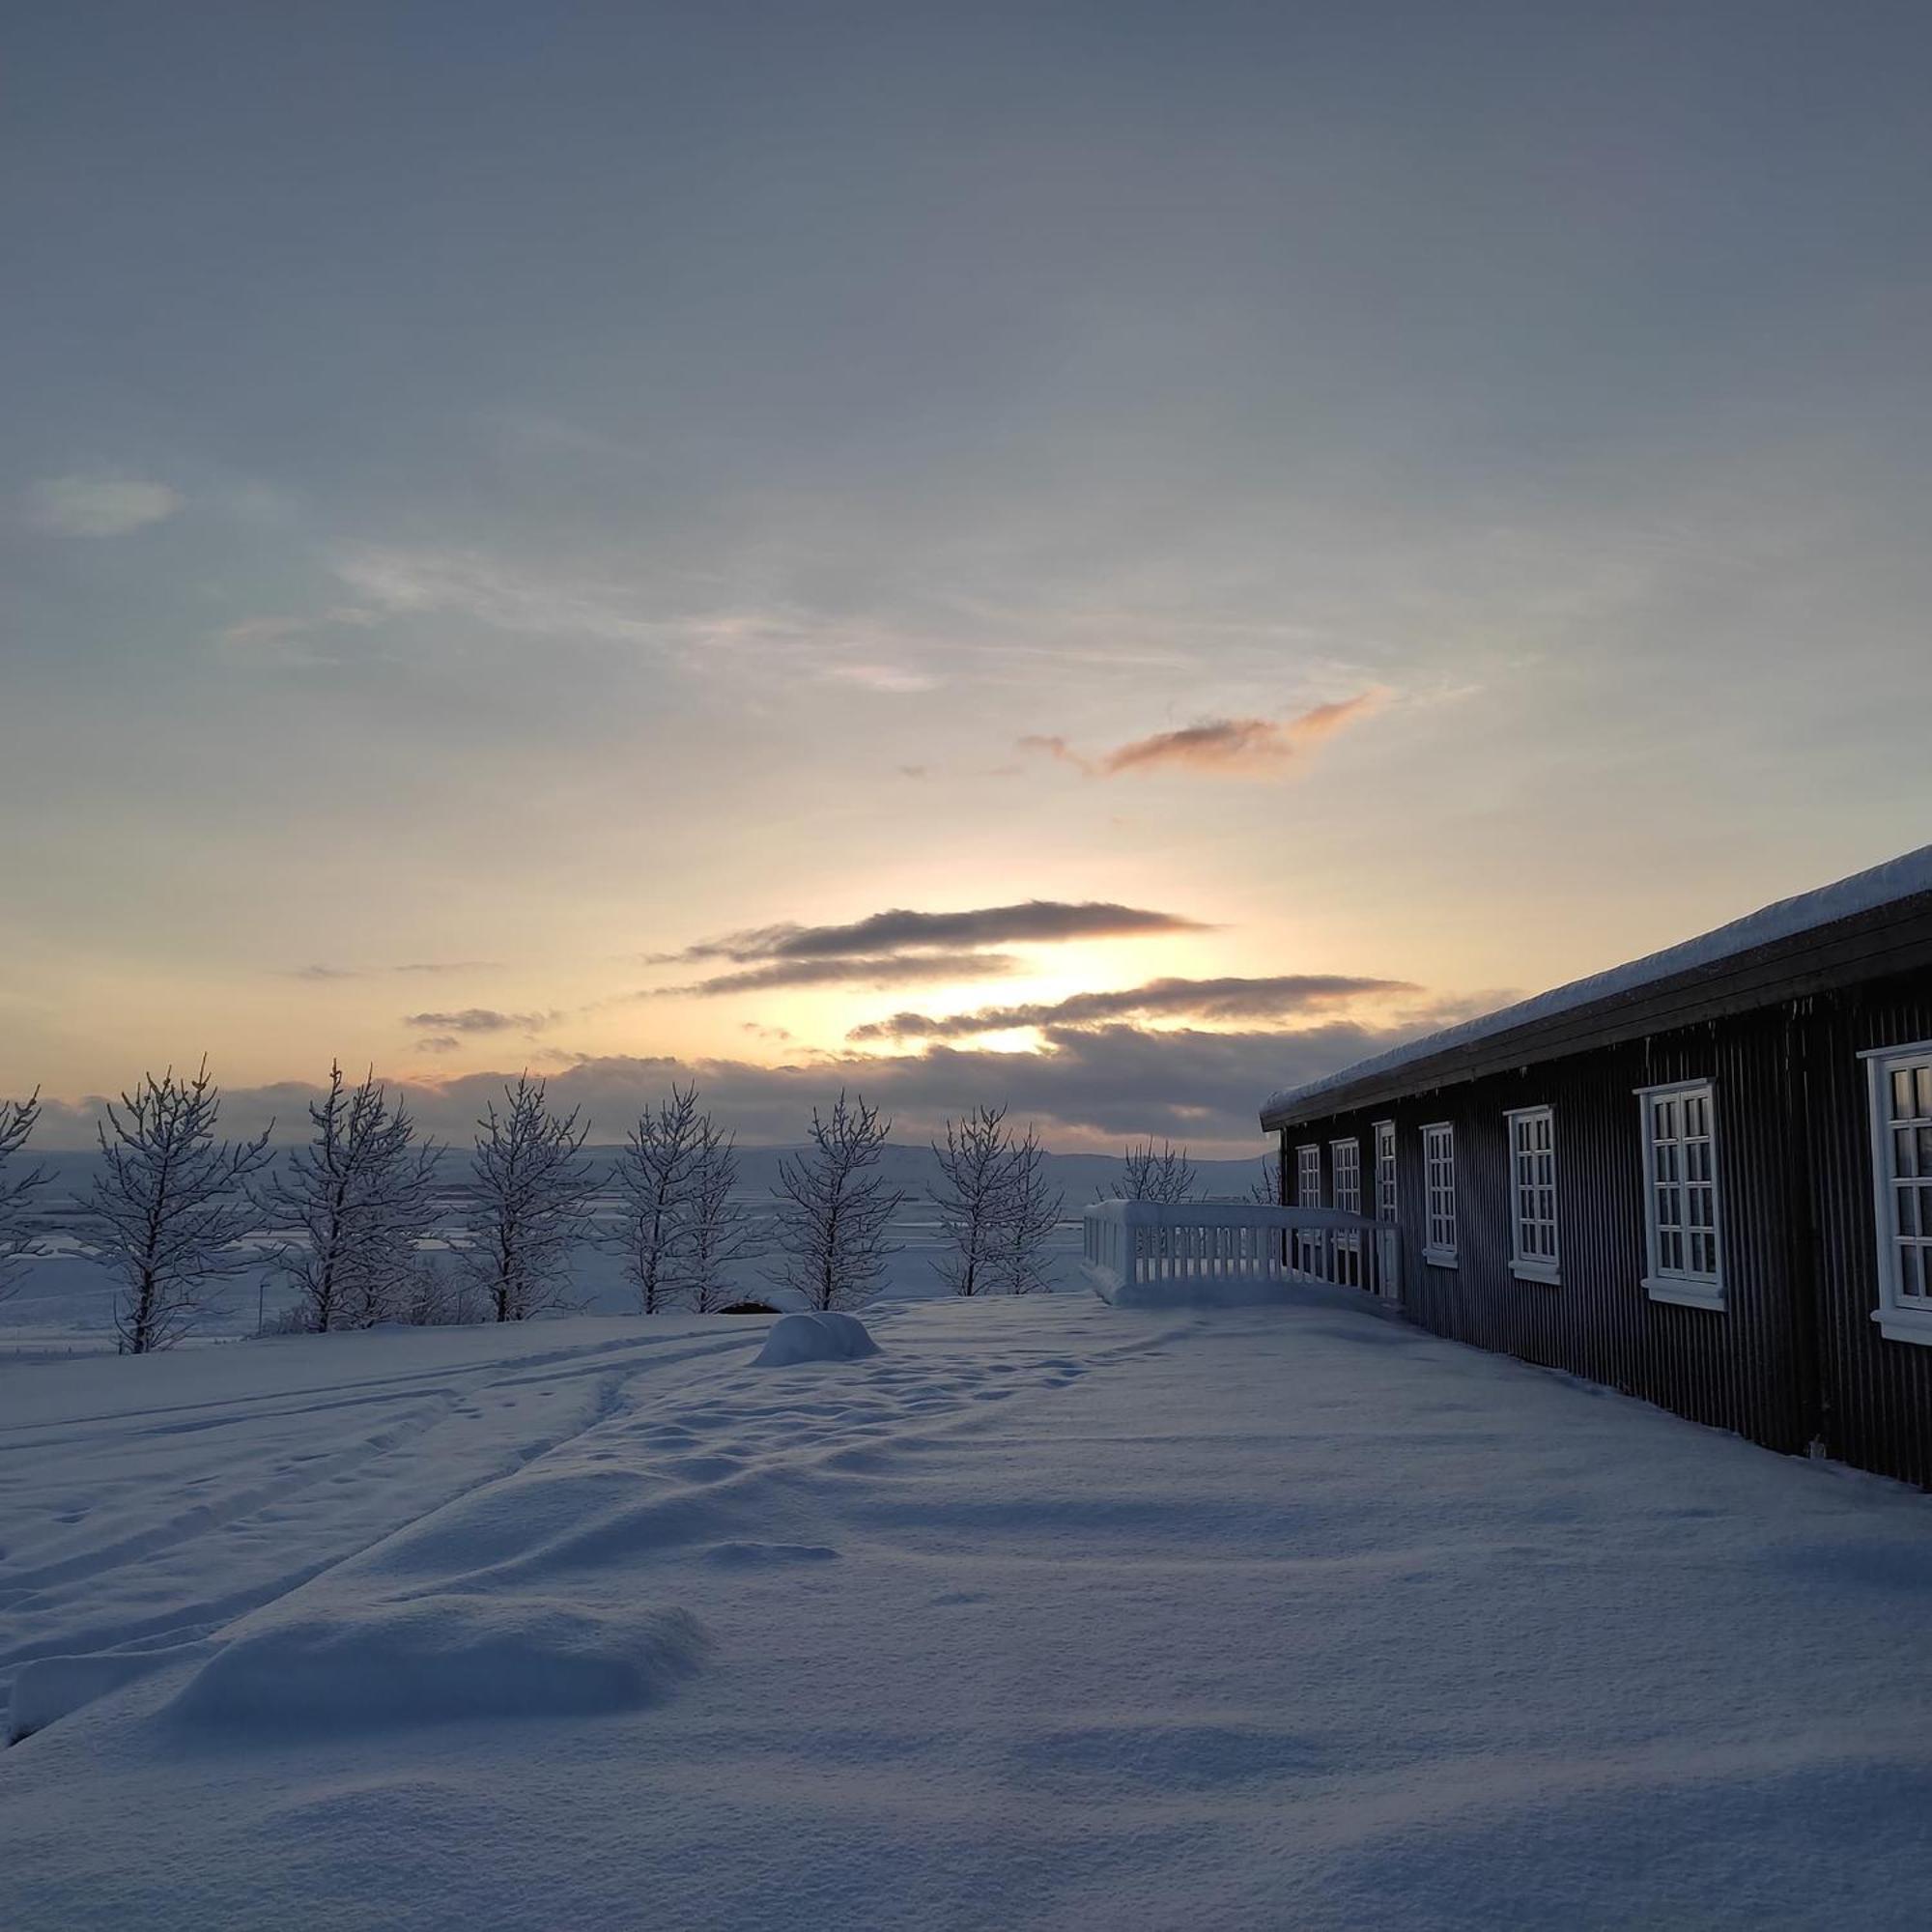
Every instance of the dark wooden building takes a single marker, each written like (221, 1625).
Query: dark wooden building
(1704, 1178)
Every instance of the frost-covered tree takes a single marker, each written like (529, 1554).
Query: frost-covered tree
(435, 1295)
(359, 1198)
(833, 1211)
(1030, 1210)
(654, 1179)
(716, 1232)
(532, 1192)
(1266, 1191)
(19, 1185)
(1151, 1174)
(971, 1198)
(167, 1211)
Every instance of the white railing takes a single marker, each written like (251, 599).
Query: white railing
(1233, 1250)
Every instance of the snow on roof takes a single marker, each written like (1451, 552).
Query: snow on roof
(1899, 878)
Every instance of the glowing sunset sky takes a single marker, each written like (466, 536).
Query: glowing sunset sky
(525, 530)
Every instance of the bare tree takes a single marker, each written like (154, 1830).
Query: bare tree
(654, 1176)
(437, 1296)
(832, 1215)
(971, 1198)
(1148, 1175)
(1028, 1212)
(533, 1194)
(167, 1214)
(359, 1199)
(1266, 1191)
(19, 1233)
(716, 1233)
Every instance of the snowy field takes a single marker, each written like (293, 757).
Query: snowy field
(1046, 1614)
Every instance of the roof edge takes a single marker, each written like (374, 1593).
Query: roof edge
(1895, 882)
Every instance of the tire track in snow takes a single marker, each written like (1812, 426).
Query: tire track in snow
(197, 1619)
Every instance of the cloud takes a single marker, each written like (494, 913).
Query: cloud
(1217, 743)
(424, 966)
(1042, 922)
(252, 630)
(885, 969)
(1053, 748)
(477, 1019)
(467, 584)
(1222, 747)
(98, 506)
(894, 678)
(287, 644)
(1224, 999)
(1090, 1087)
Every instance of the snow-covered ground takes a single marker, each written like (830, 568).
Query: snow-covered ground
(1046, 1614)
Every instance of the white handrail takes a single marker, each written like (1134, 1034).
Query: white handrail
(1245, 1248)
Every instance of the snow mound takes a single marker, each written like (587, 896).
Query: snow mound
(49, 1688)
(816, 1337)
(436, 1659)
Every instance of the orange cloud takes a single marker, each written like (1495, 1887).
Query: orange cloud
(1224, 747)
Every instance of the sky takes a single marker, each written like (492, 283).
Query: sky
(1110, 556)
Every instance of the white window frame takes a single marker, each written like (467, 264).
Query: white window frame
(1308, 1175)
(1345, 1196)
(1900, 1317)
(1347, 1173)
(1524, 1265)
(1387, 1199)
(1310, 1248)
(1439, 1184)
(1687, 1286)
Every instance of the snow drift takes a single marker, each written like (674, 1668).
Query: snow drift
(46, 1689)
(1202, 1292)
(815, 1337)
(437, 1659)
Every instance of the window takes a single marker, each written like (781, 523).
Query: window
(1346, 1157)
(1310, 1244)
(1901, 1127)
(1438, 1166)
(1346, 1160)
(1532, 1134)
(1308, 1177)
(1385, 1171)
(1680, 1194)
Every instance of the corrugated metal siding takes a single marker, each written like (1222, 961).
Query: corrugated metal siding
(1876, 1393)
(1794, 1355)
